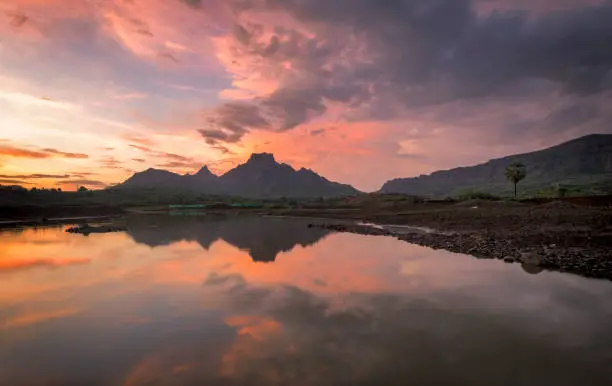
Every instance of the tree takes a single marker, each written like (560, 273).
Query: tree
(83, 189)
(515, 173)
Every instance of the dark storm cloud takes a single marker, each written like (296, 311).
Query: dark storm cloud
(230, 121)
(282, 110)
(293, 107)
(444, 43)
(420, 53)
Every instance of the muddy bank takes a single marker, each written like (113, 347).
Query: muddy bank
(590, 261)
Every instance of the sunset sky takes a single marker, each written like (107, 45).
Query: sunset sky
(360, 91)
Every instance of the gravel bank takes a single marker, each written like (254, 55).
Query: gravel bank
(590, 261)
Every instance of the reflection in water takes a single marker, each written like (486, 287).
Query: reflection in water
(531, 268)
(262, 237)
(348, 310)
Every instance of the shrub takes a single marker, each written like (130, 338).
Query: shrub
(476, 195)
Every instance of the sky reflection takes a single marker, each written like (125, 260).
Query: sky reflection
(334, 309)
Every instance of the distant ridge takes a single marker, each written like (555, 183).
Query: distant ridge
(261, 176)
(585, 161)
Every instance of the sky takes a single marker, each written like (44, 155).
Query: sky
(361, 91)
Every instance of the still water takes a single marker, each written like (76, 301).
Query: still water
(262, 301)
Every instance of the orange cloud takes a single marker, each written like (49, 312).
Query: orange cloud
(181, 165)
(34, 176)
(66, 155)
(142, 148)
(144, 141)
(83, 182)
(14, 182)
(12, 151)
(256, 326)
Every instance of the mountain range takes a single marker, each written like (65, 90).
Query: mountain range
(260, 177)
(585, 162)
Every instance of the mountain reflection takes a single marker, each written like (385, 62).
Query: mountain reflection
(262, 237)
(351, 310)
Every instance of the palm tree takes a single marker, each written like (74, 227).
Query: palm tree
(516, 172)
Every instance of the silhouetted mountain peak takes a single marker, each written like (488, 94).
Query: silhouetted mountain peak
(205, 171)
(153, 171)
(306, 171)
(260, 176)
(262, 158)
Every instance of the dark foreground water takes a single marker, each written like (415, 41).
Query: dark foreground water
(255, 301)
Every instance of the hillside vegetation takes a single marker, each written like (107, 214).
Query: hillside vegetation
(579, 167)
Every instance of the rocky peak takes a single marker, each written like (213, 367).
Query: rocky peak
(262, 158)
(204, 171)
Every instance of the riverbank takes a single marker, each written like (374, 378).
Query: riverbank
(557, 235)
(554, 236)
(44, 221)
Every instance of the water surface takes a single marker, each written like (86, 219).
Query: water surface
(262, 301)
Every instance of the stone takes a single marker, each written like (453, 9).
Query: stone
(531, 258)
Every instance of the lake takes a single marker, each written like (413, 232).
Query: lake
(188, 300)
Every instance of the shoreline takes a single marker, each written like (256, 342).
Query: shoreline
(591, 261)
(553, 236)
(7, 224)
(588, 263)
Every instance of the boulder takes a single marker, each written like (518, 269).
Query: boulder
(531, 258)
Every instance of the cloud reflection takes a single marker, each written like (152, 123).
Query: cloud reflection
(180, 314)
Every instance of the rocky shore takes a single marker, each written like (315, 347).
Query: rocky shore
(592, 261)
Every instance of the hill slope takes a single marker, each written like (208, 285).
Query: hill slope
(585, 162)
(202, 181)
(261, 176)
